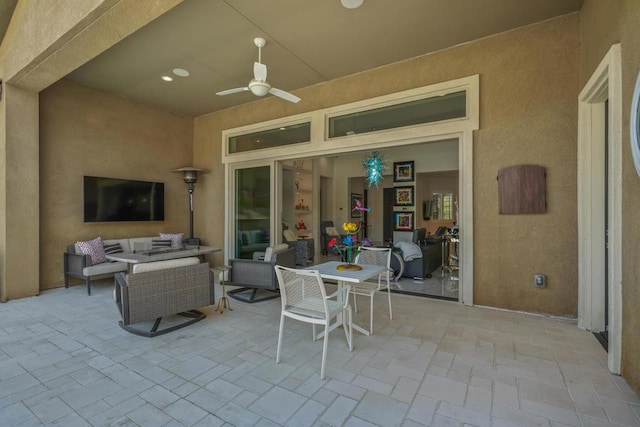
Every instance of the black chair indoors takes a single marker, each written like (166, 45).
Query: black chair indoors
(324, 236)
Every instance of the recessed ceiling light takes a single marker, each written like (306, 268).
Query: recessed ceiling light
(352, 4)
(167, 78)
(181, 72)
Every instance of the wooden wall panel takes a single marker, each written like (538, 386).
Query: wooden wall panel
(522, 189)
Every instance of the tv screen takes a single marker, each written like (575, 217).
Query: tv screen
(112, 199)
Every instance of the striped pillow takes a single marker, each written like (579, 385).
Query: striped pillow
(111, 249)
(95, 249)
(160, 243)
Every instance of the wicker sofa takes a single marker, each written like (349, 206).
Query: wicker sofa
(159, 289)
(79, 265)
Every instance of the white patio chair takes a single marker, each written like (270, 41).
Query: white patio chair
(304, 298)
(374, 256)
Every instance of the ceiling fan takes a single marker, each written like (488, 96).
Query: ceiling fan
(258, 85)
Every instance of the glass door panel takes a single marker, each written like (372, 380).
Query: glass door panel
(252, 210)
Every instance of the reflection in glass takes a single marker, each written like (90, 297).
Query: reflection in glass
(285, 135)
(253, 218)
(428, 110)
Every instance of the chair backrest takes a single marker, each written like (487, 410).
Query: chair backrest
(375, 256)
(272, 251)
(333, 231)
(289, 236)
(324, 225)
(302, 292)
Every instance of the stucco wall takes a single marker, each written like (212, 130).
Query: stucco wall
(603, 24)
(528, 90)
(88, 132)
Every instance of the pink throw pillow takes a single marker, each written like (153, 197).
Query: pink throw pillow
(95, 249)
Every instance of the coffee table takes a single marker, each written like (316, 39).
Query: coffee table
(154, 255)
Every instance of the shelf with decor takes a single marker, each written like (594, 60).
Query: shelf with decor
(303, 207)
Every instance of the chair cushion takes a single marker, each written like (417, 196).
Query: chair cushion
(95, 249)
(272, 251)
(162, 265)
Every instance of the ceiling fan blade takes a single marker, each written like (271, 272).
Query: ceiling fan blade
(230, 91)
(259, 72)
(284, 95)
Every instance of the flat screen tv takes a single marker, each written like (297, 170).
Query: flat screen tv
(112, 199)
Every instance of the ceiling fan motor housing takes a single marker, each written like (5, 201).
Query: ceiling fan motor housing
(259, 88)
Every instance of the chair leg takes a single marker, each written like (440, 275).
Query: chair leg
(88, 280)
(371, 315)
(389, 298)
(355, 302)
(325, 342)
(348, 327)
(280, 339)
(313, 330)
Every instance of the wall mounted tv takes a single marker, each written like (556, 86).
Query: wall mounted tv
(112, 199)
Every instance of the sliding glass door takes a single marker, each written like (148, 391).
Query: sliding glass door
(252, 210)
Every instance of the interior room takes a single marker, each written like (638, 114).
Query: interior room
(509, 133)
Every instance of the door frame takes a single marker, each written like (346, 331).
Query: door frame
(605, 84)
(460, 130)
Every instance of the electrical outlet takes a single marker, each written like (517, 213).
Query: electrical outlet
(539, 280)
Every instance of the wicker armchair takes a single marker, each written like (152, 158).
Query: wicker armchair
(160, 292)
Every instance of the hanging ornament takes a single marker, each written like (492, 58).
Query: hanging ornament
(374, 168)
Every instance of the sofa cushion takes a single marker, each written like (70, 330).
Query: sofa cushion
(95, 249)
(140, 244)
(176, 239)
(272, 251)
(162, 265)
(104, 268)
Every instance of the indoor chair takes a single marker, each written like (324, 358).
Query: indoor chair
(305, 248)
(304, 298)
(324, 236)
(374, 256)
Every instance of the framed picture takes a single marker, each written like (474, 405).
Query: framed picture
(403, 196)
(403, 172)
(403, 221)
(355, 198)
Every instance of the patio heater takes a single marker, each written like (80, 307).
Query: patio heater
(190, 177)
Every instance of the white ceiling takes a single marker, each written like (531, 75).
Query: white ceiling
(308, 42)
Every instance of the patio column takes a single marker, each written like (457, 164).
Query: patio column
(19, 193)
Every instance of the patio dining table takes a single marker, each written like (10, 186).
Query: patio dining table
(329, 270)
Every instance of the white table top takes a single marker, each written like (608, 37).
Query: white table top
(328, 270)
(136, 258)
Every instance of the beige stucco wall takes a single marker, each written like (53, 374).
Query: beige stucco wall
(528, 90)
(89, 132)
(606, 23)
(44, 42)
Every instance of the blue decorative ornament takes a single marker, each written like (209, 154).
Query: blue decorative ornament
(374, 168)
